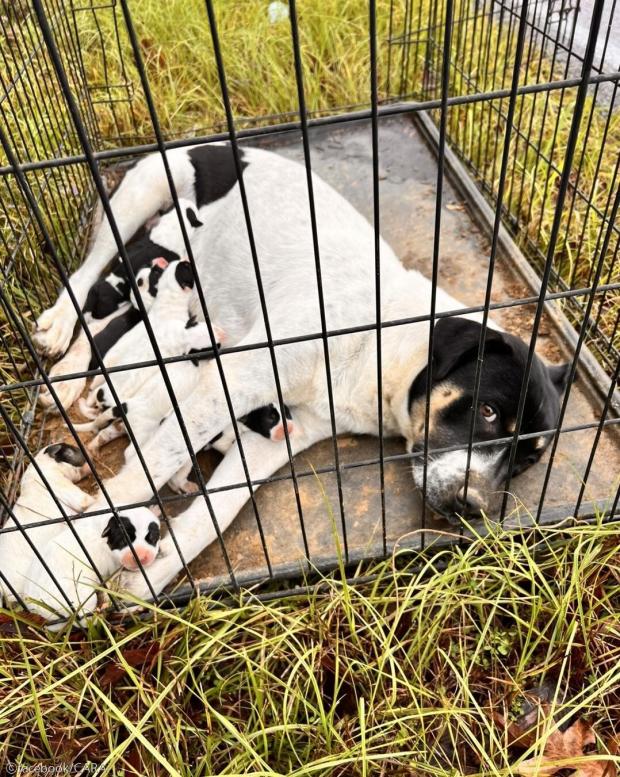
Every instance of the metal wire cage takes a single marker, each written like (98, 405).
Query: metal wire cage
(506, 114)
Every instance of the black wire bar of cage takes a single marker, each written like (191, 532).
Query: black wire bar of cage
(523, 96)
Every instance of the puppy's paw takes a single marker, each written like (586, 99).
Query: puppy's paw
(67, 392)
(181, 485)
(55, 328)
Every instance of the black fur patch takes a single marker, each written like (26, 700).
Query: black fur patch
(118, 531)
(113, 332)
(100, 395)
(117, 411)
(184, 275)
(263, 419)
(154, 276)
(141, 253)
(216, 173)
(153, 534)
(103, 298)
(191, 322)
(193, 218)
(67, 454)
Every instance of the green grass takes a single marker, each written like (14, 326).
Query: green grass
(399, 676)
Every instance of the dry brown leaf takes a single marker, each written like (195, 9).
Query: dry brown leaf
(562, 750)
(143, 656)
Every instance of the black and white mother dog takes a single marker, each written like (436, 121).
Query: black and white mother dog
(278, 202)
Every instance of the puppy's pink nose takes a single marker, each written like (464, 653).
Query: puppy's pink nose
(278, 431)
(144, 555)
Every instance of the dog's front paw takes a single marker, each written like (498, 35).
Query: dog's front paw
(55, 328)
(67, 392)
(183, 485)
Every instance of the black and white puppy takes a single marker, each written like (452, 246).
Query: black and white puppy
(282, 232)
(163, 240)
(265, 421)
(106, 311)
(62, 466)
(169, 317)
(109, 541)
(106, 332)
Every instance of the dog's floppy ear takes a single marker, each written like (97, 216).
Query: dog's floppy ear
(184, 275)
(559, 374)
(192, 218)
(108, 529)
(160, 262)
(67, 454)
(456, 340)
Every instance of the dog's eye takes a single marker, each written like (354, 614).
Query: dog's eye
(140, 281)
(488, 413)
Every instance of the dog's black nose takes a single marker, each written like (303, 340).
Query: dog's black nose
(470, 505)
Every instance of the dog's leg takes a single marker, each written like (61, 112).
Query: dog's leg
(99, 422)
(73, 498)
(76, 359)
(111, 432)
(179, 482)
(249, 377)
(194, 529)
(143, 191)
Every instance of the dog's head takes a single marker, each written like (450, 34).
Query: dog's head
(176, 284)
(64, 459)
(455, 355)
(138, 527)
(147, 281)
(106, 295)
(266, 421)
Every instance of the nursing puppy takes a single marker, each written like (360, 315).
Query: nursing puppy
(106, 311)
(170, 320)
(282, 232)
(109, 541)
(265, 420)
(164, 239)
(146, 406)
(106, 332)
(62, 466)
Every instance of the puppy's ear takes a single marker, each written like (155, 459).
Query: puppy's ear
(66, 454)
(160, 262)
(193, 218)
(456, 340)
(559, 374)
(108, 529)
(54, 451)
(184, 275)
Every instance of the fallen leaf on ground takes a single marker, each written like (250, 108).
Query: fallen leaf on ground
(562, 750)
(142, 656)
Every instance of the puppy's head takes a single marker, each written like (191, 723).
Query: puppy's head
(455, 353)
(64, 459)
(106, 296)
(176, 283)
(139, 528)
(147, 281)
(266, 421)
